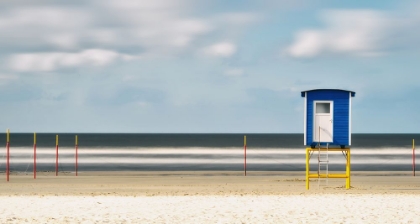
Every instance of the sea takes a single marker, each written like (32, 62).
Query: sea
(198, 152)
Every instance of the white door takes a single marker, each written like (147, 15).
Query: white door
(323, 122)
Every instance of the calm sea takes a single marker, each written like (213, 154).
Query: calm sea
(177, 152)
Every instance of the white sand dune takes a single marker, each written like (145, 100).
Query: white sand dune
(327, 208)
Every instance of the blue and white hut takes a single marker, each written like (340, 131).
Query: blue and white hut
(327, 117)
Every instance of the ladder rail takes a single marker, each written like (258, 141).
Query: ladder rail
(323, 160)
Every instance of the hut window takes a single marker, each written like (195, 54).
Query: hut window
(323, 108)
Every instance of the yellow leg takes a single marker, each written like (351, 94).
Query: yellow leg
(348, 170)
(307, 169)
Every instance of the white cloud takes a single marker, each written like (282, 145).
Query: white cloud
(238, 18)
(157, 26)
(234, 72)
(152, 29)
(52, 17)
(7, 78)
(62, 40)
(357, 32)
(43, 26)
(308, 44)
(148, 28)
(155, 34)
(223, 49)
(153, 26)
(56, 60)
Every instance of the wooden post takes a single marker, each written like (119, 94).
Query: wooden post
(77, 146)
(245, 154)
(7, 155)
(414, 159)
(56, 155)
(34, 155)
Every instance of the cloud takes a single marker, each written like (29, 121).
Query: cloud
(156, 26)
(355, 32)
(45, 16)
(234, 72)
(147, 24)
(53, 61)
(127, 95)
(152, 29)
(46, 26)
(238, 18)
(223, 49)
(7, 78)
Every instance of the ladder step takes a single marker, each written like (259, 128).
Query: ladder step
(323, 165)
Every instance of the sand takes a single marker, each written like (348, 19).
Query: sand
(208, 197)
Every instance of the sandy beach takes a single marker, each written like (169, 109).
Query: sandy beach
(208, 197)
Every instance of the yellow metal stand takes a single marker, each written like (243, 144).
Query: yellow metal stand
(345, 151)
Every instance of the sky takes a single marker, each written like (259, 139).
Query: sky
(205, 66)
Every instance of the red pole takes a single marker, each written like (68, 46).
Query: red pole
(414, 159)
(56, 155)
(245, 154)
(77, 147)
(34, 155)
(8, 155)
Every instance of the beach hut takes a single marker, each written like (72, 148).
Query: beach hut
(327, 117)
(327, 128)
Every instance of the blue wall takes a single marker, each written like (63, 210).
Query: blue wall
(340, 113)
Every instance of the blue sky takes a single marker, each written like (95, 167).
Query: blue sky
(205, 66)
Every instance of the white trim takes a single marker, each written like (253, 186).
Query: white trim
(349, 118)
(304, 119)
(331, 113)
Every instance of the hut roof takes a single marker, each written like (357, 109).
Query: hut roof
(303, 92)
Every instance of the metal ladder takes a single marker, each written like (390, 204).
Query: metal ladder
(322, 161)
